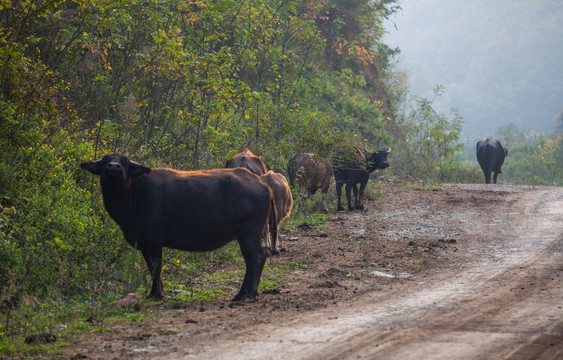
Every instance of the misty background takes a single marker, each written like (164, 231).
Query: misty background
(501, 62)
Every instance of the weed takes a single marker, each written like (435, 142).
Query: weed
(374, 214)
(314, 219)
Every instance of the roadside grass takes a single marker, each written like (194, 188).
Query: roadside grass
(48, 324)
(191, 279)
(306, 209)
(226, 283)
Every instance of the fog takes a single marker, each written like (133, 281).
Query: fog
(500, 61)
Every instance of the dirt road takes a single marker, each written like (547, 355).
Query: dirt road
(455, 272)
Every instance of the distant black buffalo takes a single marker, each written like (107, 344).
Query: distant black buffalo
(490, 155)
(187, 210)
(352, 168)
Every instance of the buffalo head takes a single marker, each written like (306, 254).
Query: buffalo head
(377, 160)
(115, 165)
(115, 169)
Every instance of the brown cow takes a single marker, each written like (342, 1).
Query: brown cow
(186, 210)
(312, 172)
(247, 160)
(353, 168)
(284, 203)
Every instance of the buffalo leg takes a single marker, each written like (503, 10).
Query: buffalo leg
(339, 196)
(270, 241)
(254, 259)
(267, 241)
(486, 172)
(495, 177)
(359, 199)
(487, 176)
(356, 199)
(154, 264)
(349, 194)
(272, 225)
(323, 197)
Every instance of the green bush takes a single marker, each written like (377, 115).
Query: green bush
(533, 158)
(56, 239)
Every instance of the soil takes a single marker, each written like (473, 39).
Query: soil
(447, 272)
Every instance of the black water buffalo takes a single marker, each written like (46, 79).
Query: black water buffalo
(186, 210)
(490, 155)
(353, 168)
(246, 159)
(284, 203)
(311, 171)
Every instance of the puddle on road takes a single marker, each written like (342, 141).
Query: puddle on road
(389, 274)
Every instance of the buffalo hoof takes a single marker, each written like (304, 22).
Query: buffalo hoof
(351, 209)
(155, 296)
(340, 208)
(244, 299)
(360, 207)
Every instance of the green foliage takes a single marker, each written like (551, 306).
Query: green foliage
(51, 236)
(428, 142)
(533, 158)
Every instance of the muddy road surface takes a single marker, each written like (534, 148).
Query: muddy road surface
(450, 272)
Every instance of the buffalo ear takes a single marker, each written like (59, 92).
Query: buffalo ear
(92, 166)
(136, 169)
